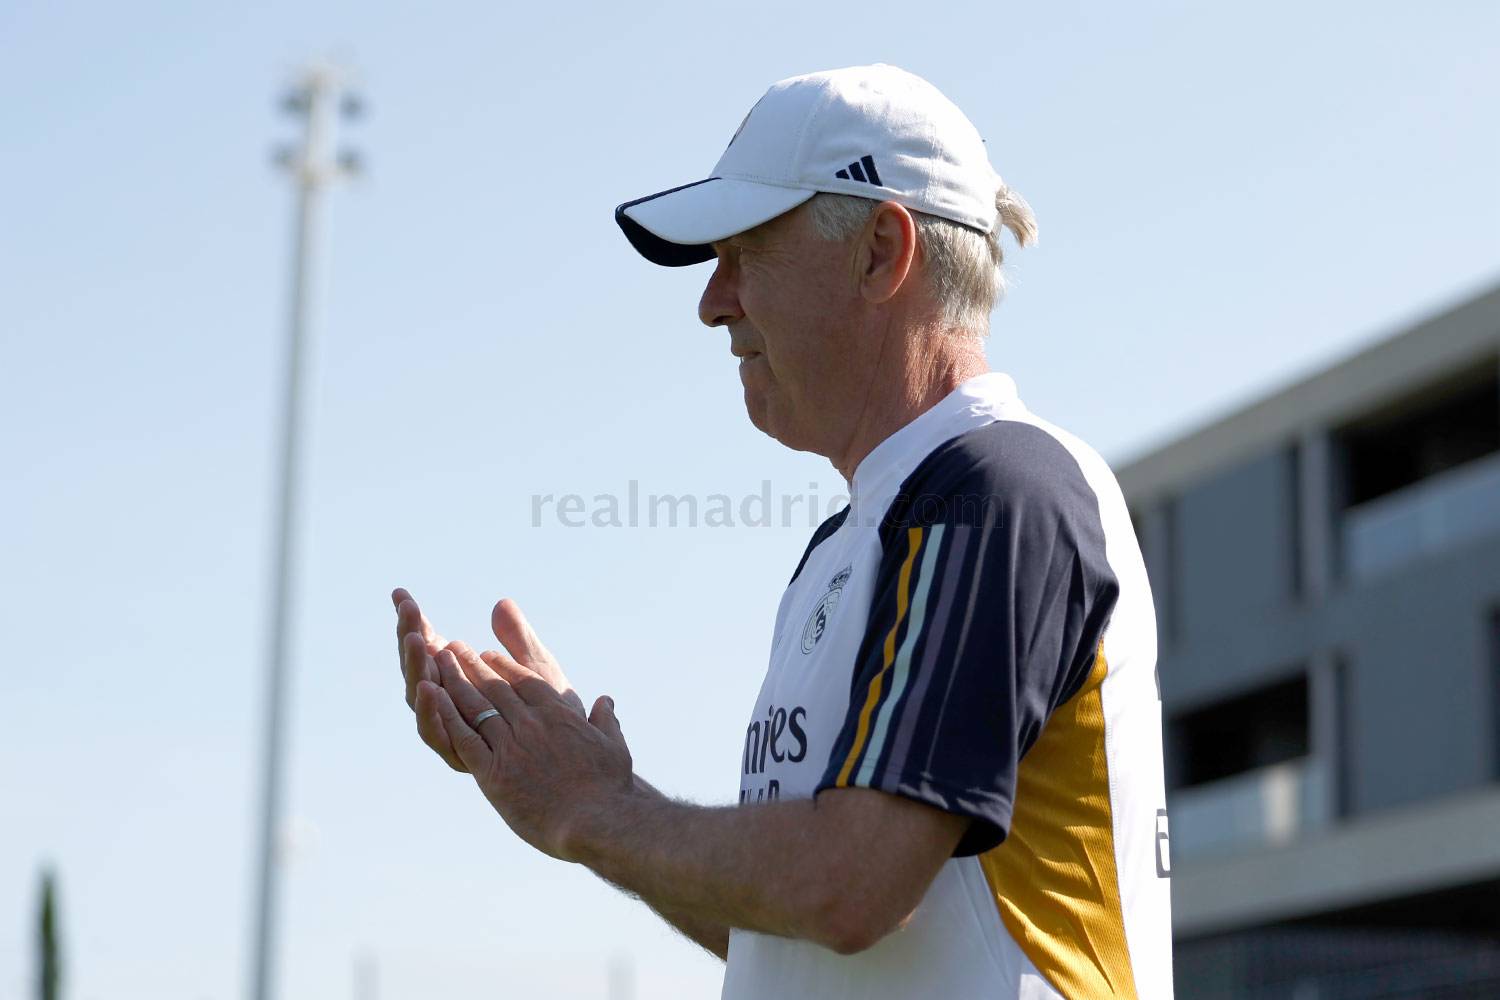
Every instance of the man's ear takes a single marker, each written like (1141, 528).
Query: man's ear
(887, 250)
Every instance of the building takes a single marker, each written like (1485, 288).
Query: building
(1326, 566)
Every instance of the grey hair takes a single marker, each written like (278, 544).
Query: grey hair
(963, 264)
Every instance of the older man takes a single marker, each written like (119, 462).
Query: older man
(951, 783)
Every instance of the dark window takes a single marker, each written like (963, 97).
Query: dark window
(1264, 727)
(1441, 427)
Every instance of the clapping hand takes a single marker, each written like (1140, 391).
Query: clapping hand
(418, 644)
(513, 721)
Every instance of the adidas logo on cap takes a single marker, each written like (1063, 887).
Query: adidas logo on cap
(862, 169)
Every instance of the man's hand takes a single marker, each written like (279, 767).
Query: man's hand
(541, 764)
(421, 648)
(841, 871)
(417, 644)
(520, 641)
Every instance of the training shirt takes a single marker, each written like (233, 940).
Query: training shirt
(975, 632)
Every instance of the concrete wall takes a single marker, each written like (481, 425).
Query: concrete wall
(1420, 689)
(1419, 708)
(1235, 546)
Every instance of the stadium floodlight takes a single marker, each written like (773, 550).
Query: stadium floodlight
(313, 98)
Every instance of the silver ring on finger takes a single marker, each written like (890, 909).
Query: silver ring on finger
(488, 713)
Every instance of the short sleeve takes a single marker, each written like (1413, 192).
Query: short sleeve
(991, 598)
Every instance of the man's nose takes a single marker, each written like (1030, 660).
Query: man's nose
(720, 304)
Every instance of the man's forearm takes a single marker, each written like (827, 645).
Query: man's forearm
(711, 935)
(753, 867)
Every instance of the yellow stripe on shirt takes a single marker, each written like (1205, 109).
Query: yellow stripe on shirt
(872, 696)
(1054, 877)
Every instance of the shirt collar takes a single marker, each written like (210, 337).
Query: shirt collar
(977, 401)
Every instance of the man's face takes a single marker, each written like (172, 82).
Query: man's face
(789, 300)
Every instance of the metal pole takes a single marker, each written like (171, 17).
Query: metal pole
(365, 978)
(314, 99)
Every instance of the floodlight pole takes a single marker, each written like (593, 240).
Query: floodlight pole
(318, 98)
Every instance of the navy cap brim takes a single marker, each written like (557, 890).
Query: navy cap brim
(676, 227)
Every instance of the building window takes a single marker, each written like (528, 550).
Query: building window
(1255, 730)
(1442, 427)
(1422, 476)
(1241, 773)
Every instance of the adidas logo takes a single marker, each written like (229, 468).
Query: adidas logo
(862, 170)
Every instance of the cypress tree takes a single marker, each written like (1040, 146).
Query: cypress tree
(49, 962)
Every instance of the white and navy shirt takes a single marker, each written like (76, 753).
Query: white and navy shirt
(975, 632)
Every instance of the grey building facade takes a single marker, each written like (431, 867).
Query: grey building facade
(1326, 567)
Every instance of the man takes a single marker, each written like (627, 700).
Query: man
(951, 782)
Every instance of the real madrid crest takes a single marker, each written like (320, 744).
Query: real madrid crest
(817, 622)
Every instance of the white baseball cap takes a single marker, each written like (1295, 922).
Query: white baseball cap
(874, 131)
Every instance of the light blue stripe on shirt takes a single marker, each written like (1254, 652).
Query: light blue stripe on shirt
(902, 667)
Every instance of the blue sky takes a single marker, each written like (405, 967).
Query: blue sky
(1227, 198)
